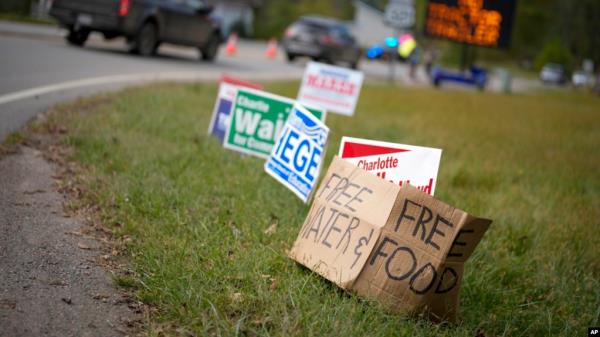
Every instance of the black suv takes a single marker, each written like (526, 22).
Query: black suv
(322, 39)
(144, 23)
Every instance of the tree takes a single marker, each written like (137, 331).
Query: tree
(15, 6)
(274, 16)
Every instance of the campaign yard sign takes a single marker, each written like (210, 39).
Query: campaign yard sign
(222, 111)
(397, 245)
(296, 158)
(333, 88)
(257, 120)
(399, 163)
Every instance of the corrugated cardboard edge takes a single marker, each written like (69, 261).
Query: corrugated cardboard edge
(436, 309)
(433, 308)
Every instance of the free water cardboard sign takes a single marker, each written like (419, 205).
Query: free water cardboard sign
(257, 120)
(399, 163)
(296, 158)
(333, 88)
(222, 111)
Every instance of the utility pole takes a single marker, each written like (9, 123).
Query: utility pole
(400, 15)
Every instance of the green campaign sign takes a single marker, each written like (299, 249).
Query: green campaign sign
(257, 119)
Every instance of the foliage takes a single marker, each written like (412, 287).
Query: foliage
(555, 52)
(15, 6)
(275, 15)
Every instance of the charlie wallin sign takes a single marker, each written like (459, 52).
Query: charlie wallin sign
(395, 244)
(257, 119)
(296, 158)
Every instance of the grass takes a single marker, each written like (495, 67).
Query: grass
(198, 215)
(11, 143)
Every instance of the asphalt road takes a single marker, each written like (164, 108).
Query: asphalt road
(30, 60)
(38, 69)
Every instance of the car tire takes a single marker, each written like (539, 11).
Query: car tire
(209, 51)
(354, 65)
(77, 37)
(290, 57)
(146, 40)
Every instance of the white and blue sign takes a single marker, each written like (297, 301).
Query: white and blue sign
(297, 155)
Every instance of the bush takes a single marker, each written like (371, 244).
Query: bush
(554, 51)
(275, 15)
(15, 6)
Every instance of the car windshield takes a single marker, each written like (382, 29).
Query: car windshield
(341, 31)
(309, 27)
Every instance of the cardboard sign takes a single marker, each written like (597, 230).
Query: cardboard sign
(257, 120)
(222, 111)
(333, 88)
(399, 163)
(296, 158)
(394, 244)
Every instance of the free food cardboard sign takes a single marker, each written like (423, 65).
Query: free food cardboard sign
(296, 158)
(394, 244)
(333, 88)
(222, 111)
(399, 163)
(257, 120)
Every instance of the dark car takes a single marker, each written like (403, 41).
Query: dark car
(144, 23)
(322, 39)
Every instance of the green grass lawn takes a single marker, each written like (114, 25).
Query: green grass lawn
(198, 214)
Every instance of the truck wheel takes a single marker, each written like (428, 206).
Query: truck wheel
(209, 51)
(77, 37)
(146, 41)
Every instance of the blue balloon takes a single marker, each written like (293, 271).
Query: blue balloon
(391, 42)
(375, 52)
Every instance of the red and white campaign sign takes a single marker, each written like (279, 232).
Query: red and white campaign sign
(333, 88)
(399, 163)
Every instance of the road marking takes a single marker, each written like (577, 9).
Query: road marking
(115, 79)
(181, 76)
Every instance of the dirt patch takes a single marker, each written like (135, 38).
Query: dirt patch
(56, 263)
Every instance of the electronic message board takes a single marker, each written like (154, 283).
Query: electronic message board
(486, 23)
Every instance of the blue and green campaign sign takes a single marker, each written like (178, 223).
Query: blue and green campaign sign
(296, 159)
(257, 120)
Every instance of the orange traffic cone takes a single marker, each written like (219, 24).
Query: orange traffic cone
(272, 48)
(231, 46)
